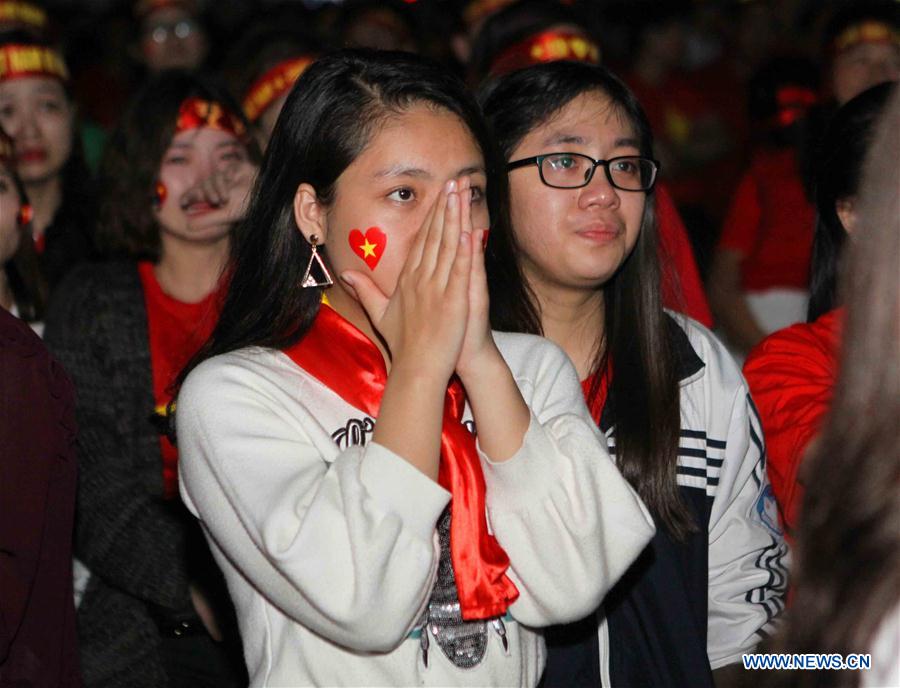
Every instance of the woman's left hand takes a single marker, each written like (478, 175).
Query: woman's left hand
(478, 343)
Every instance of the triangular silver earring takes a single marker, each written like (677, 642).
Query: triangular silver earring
(315, 259)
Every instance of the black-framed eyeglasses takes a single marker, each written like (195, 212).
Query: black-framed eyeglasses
(574, 170)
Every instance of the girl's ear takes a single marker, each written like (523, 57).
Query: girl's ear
(309, 214)
(846, 212)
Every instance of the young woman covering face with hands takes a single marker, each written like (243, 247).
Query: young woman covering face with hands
(329, 448)
(579, 265)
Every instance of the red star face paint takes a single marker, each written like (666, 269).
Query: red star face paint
(369, 246)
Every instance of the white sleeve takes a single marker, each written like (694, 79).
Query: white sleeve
(568, 520)
(747, 552)
(317, 539)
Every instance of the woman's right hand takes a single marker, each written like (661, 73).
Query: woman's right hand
(424, 321)
(227, 190)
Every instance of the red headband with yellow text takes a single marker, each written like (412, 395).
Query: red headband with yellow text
(548, 46)
(272, 85)
(17, 61)
(196, 113)
(870, 31)
(17, 13)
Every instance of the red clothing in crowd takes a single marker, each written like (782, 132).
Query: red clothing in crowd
(38, 464)
(791, 375)
(682, 290)
(770, 223)
(672, 109)
(725, 88)
(177, 331)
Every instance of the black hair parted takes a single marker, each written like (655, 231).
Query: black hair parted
(330, 116)
(838, 172)
(635, 337)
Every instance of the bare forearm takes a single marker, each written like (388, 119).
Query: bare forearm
(410, 418)
(501, 415)
(738, 320)
(729, 304)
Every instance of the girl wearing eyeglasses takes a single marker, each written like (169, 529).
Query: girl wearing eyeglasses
(580, 267)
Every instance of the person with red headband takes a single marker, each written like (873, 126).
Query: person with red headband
(862, 47)
(397, 494)
(176, 178)
(759, 278)
(266, 62)
(23, 290)
(37, 111)
(267, 95)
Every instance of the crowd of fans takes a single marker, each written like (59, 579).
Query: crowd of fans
(147, 178)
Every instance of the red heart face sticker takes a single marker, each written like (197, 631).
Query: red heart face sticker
(369, 246)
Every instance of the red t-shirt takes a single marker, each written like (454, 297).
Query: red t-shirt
(770, 223)
(682, 290)
(791, 375)
(177, 331)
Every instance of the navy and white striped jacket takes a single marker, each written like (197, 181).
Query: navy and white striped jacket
(687, 607)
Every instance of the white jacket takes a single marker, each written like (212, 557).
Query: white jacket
(330, 551)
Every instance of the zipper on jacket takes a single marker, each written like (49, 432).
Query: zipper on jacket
(500, 628)
(424, 643)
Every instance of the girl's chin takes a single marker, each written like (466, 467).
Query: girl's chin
(37, 172)
(200, 232)
(594, 277)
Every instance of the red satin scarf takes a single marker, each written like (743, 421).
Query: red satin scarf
(596, 404)
(343, 359)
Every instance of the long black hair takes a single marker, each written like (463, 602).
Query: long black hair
(129, 170)
(329, 118)
(839, 165)
(645, 383)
